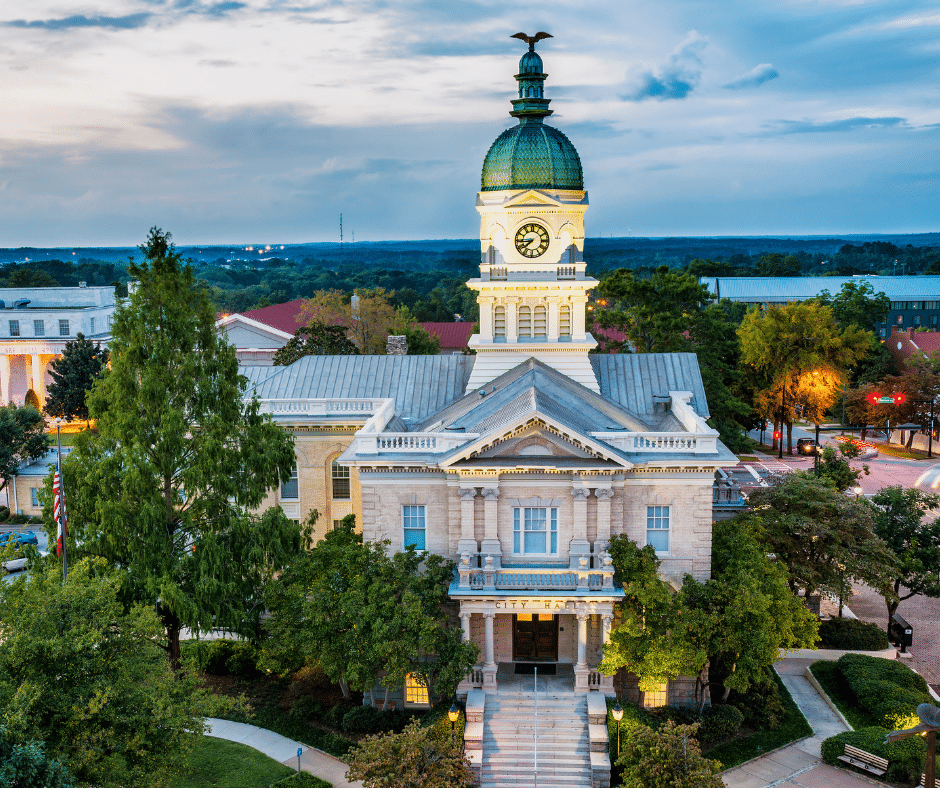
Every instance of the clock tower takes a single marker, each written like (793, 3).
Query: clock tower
(532, 289)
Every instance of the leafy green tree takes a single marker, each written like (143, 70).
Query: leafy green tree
(820, 535)
(73, 374)
(80, 672)
(360, 613)
(858, 304)
(27, 765)
(22, 439)
(835, 468)
(165, 489)
(316, 339)
(667, 758)
(801, 348)
(415, 758)
(900, 522)
(652, 641)
(778, 264)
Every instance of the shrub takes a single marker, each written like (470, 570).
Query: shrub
(850, 633)
(857, 667)
(895, 714)
(228, 658)
(905, 758)
(887, 691)
(306, 708)
(4, 514)
(362, 719)
(719, 723)
(334, 717)
(18, 519)
(303, 780)
(761, 705)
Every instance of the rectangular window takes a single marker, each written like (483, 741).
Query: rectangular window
(564, 320)
(900, 320)
(290, 490)
(931, 304)
(341, 488)
(933, 320)
(413, 521)
(92, 325)
(896, 305)
(657, 698)
(657, 528)
(416, 691)
(34, 496)
(915, 304)
(534, 531)
(917, 321)
(14, 328)
(337, 524)
(525, 321)
(63, 328)
(39, 328)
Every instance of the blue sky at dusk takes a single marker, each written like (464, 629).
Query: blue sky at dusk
(262, 121)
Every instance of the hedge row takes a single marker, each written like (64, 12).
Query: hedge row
(888, 690)
(852, 634)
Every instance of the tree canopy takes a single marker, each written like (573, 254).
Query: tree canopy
(79, 672)
(164, 490)
(316, 339)
(22, 439)
(915, 541)
(667, 758)
(73, 374)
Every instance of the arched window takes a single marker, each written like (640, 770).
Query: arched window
(499, 322)
(540, 324)
(341, 487)
(564, 320)
(525, 321)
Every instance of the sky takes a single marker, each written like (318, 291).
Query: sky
(261, 121)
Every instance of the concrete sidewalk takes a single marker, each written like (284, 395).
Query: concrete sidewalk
(799, 765)
(282, 749)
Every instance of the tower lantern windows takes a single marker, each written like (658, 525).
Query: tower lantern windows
(564, 321)
(525, 321)
(499, 323)
(540, 324)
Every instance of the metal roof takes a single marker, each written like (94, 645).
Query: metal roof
(769, 289)
(420, 385)
(632, 379)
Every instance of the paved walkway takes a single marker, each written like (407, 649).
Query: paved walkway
(282, 749)
(799, 765)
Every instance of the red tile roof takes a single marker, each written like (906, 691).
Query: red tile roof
(281, 316)
(453, 336)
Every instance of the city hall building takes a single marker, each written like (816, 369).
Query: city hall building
(521, 461)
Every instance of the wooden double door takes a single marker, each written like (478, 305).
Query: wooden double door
(535, 637)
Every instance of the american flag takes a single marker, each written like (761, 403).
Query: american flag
(59, 512)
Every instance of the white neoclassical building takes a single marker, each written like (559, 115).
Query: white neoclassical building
(35, 324)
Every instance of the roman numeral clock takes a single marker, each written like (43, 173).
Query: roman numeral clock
(532, 240)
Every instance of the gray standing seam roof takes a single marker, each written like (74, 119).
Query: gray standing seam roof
(803, 288)
(420, 385)
(631, 379)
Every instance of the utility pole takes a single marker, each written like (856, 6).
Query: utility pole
(341, 231)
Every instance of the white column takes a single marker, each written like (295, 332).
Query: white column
(491, 544)
(607, 682)
(4, 379)
(486, 318)
(604, 495)
(38, 384)
(468, 542)
(465, 625)
(582, 639)
(578, 305)
(512, 319)
(579, 545)
(489, 651)
(552, 319)
(605, 632)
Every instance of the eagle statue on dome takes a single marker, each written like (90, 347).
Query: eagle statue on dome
(531, 40)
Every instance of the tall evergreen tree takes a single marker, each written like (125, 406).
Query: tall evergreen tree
(164, 490)
(73, 374)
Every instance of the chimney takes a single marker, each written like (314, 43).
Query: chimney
(397, 346)
(83, 284)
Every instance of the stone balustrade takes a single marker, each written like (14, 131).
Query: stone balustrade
(534, 578)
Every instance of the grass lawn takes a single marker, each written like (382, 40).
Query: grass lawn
(793, 726)
(215, 763)
(830, 679)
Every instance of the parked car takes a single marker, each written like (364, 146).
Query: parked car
(20, 537)
(806, 446)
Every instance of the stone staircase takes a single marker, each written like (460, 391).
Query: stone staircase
(564, 748)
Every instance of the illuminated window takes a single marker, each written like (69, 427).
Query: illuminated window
(564, 320)
(63, 328)
(416, 691)
(657, 528)
(413, 522)
(14, 328)
(499, 321)
(657, 698)
(39, 328)
(290, 490)
(341, 488)
(525, 321)
(541, 322)
(534, 531)
(917, 321)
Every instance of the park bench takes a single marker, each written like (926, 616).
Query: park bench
(864, 760)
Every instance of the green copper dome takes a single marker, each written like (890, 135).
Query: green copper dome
(531, 155)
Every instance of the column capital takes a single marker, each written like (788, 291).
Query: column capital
(465, 614)
(605, 493)
(489, 614)
(491, 493)
(583, 615)
(468, 493)
(580, 493)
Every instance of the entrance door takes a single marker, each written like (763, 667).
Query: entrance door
(535, 638)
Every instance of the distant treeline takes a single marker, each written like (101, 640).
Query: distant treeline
(429, 277)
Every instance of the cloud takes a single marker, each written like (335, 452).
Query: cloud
(756, 76)
(128, 22)
(846, 124)
(677, 78)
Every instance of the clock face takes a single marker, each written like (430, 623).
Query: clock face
(531, 240)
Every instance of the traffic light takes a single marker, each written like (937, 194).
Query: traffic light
(899, 398)
(873, 398)
(776, 435)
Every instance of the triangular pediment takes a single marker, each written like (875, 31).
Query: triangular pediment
(243, 332)
(531, 199)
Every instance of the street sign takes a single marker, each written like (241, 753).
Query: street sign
(886, 400)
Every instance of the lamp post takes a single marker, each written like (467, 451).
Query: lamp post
(617, 711)
(453, 714)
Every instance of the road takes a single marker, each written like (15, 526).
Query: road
(40, 538)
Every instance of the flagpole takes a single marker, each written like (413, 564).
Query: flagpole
(60, 507)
